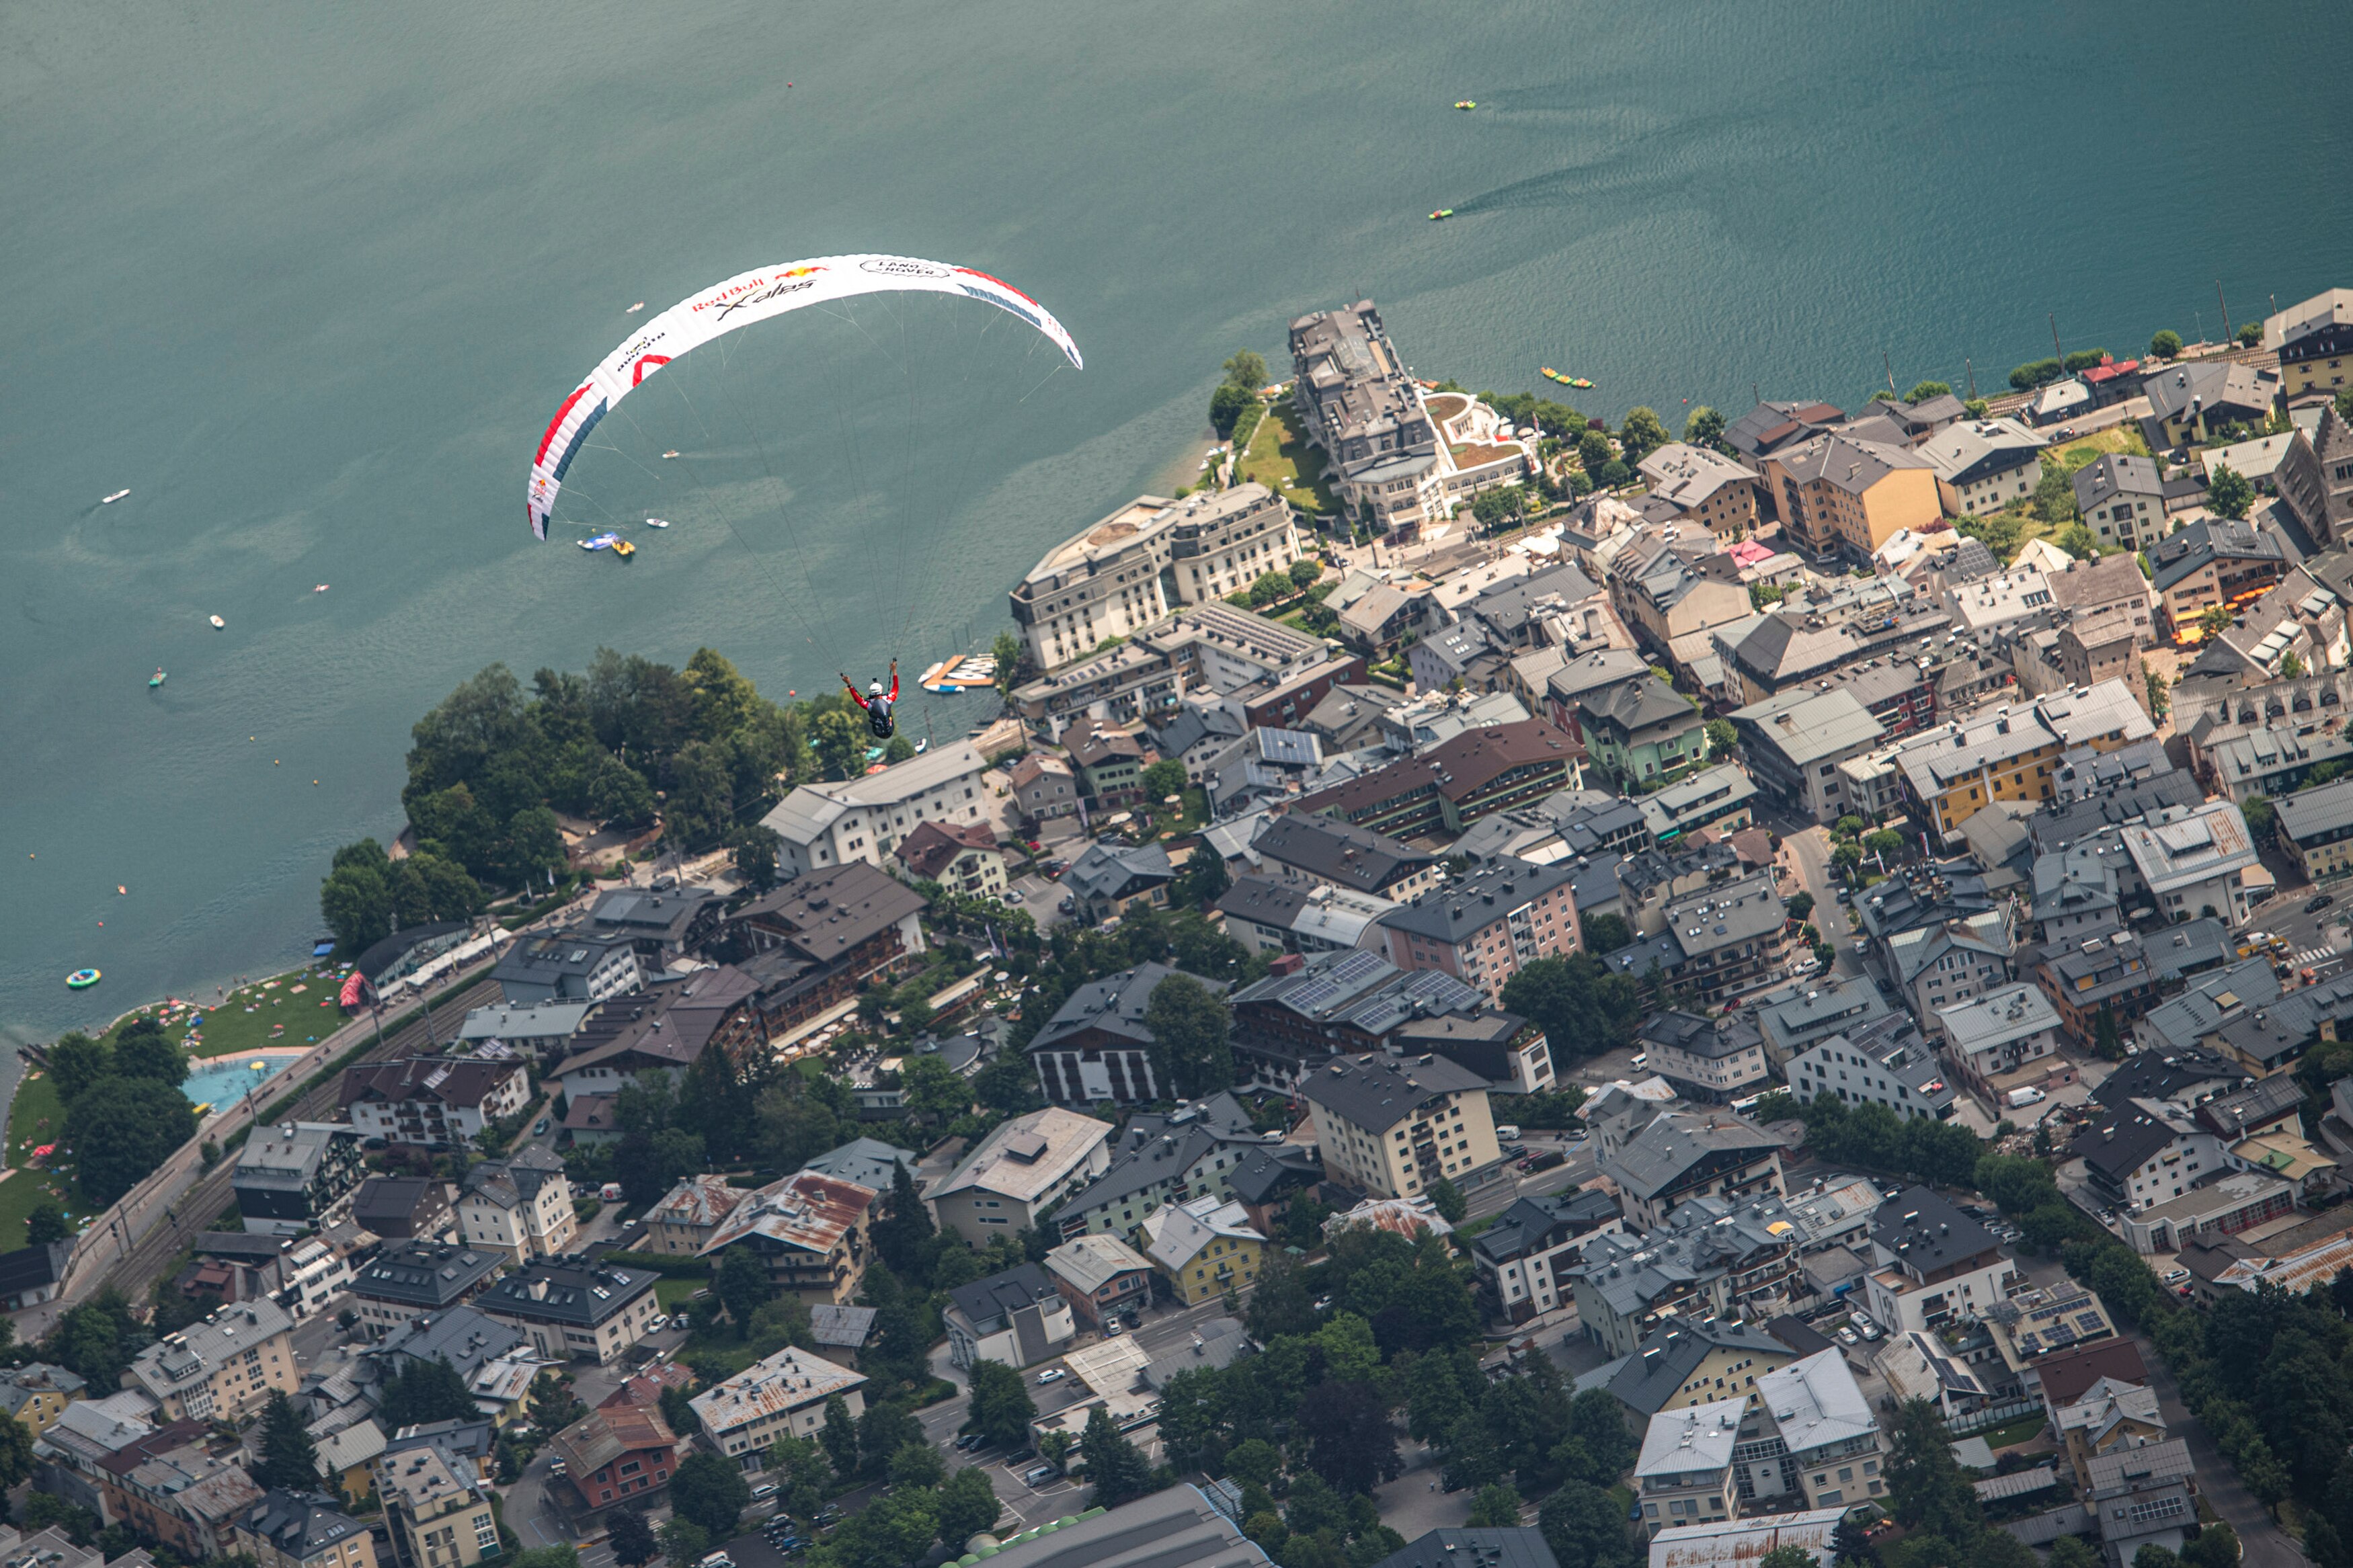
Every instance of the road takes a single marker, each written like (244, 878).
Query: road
(1806, 850)
(2262, 1543)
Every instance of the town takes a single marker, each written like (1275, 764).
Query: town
(1494, 992)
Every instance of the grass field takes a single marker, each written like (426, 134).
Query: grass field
(2021, 1430)
(1280, 459)
(2091, 448)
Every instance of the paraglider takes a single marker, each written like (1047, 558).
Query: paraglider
(877, 704)
(739, 302)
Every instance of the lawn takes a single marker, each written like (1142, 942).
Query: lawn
(35, 1118)
(297, 1009)
(2021, 1430)
(2088, 450)
(1280, 459)
(671, 1294)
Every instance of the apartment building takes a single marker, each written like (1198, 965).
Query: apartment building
(1679, 1157)
(573, 1308)
(1829, 1441)
(438, 1506)
(1932, 1265)
(1983, 465)
(221, 1369)
(1703, 486)
(520, 1207)
(568, 966)
(2121, 498)
(290, 1178)
(1356, 400)
(1713, 1257)
(1097, 1046)
(1683, 1474)
(1883, 1062)
(172, 1486)
(2314, 339)
(434, 1101)
(408, 1279)
(824, 826)
(2193, 405)
(811, 1233)
(617, 1452)
(1390, 1127)
(1838, 492)
(2012, 753)
(1203, 1248)
(819, 938)
(2198, 862)
(1457, 782)
(301, 1530)
(2213, 563)
(1521, 1257)
(1137, 565)
(1023, 1165)
(783, 1395)
(1327, 851)
(1795, 740)
(1485, 927)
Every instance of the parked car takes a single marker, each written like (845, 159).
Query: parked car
(1132, 1318)
(557, 1468)
(1054, 1375)
(2173, 1276)
(1848, 1337)
(2318, 902)
(539, 1127)
(1038, 1475)
(1111, 1327)
(1015, 896)
(1642, 1060)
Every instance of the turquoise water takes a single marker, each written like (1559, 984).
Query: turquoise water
(309, 279)
(222, 1085)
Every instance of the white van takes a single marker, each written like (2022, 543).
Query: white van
(1507, 1134)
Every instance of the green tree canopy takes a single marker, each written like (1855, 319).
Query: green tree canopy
(1922, 391)
(1226, 405)
(1704, 427)
(1582, 1007)
(1001, 1408)
(427, 1391)
(968, 1506)
(1448, 1200)
(2165, 344)
(631, 1538)
(143, 1050)
(1643, 434)
(2228, 491)
(76, 1062)
(121, 1129)
(710, 1489)
(1246, 368)
(290, 1459)
(1164, 778)
(1190, 1026)
(1114, 1467)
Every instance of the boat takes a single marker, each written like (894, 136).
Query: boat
(81, 979)
(624, 549)
(635, 309)
(601, 541)
(671, 453)
(155, 679)
(950, 676)
(657, 522)
(207, 1105)
(1441, 213)
(1466, 103)
(1549, 374)
(1580, 383)
(320, 589)
(218, 625)
(110, 500)
(922, 745)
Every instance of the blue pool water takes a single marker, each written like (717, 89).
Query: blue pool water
(222, 1083)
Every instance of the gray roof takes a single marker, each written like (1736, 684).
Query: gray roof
(1652, 1374)
(2209, 384)
(1378, 1092)
(1361, 990)
(1926, 1232)
(1586, 672)
(1262, 900)
(1108, 871)
(1726, 915)
(1177, 1528)
(1532, 1224)
(300, 1524)
(2116, 473)
(988, 1302)
(1660, 1155)
(1806, 726)
(463, 1336)
(571, 1290)
(1471, 903)
(2169, 1460)
(868, 1162)
(1465, 1548)
(2188, 549)
(1841, 1003)
(2325, 808)
(425, 1274)
(1114, 1004)
(1337, 852)
(1815, 1403)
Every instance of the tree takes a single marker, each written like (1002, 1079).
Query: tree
(631, 1537)
(46, 1223)
(16, 1454)
(1593, 451)
(2228, 491)
(838, 1437)
(551, 1404)
(290, 1459)
(121, 1129)
(968, 1506)
(428, 1390)
(840, 743)
(143, 1050)
(893, 1530)
(742, 1285)
(1607, 933)
(1786, 1557)
(1305, 571)
(1350, 1442)
(917, 1465)
(1114, 1467)
(1246, 368)
(1582, 1007)
(1164, 778)
(76, 1062)
(2164, 345)
(755, 862)
(1722, 738)
(886, 1428)
(1641, 435)
(1001, 1408)
(1226, 405)
(1922, 391)
(1926, 1488)
(1200, 882)
(1190, 1026)
(1705, 428)
(1283, 1302)
(1583, 1528)
(711, 1491)
(1448, 1200)
(357, 907)
(678, 1410)
(1497, 1507)
(684, 1541)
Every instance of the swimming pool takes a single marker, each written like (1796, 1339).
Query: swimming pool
(221, 1081)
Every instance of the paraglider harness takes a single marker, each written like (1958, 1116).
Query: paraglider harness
(878, 707)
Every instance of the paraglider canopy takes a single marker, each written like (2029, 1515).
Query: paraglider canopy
(739, 302)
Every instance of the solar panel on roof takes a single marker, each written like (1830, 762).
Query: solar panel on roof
(1358, 966)
(2090, 1322)
(1315, 994)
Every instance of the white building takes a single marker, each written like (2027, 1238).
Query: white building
(1884, 1063)
(1933, 1264)
(783, 1395)
(1999, 1032)
(1685, 1474)
(1829, 1438)
(315, 1275)
(1983, 465)
(1019, 1168)
(828, 825)
(2198, 862)
(1988, 604)
(1145, 560)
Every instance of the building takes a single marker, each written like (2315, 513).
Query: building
(1285, 917)
(1521, 1257)
(1683, 1474)
(435, 1101)
(869, 1161)
(825, 826)
(407, 1280)
(1642, 731)
(616, 1452)
(1713, 1258)
(31, 1274)
(819, 938)
(301, 1530)
(1836, 492)
(2195, 404)
(1097, 1046)
(1203, 1248)
(1390, 1127)
(1827, 1436)
(1933, 1264)
(963, 858)
(1330, 852)
(1690, 1361)
(1731, 935)
(221, 1369)
(1017, 1319)
(1802, 1016)
(1706, 1059)
(290, 1178)
(1795, 740)
(567, 966)
(2316, 827)
(1190, 1152)
(438, 1509)
(1099, 1276)
(1110, 764)
(2314, 339)
(1983, 465)
(1455, 784)
(1309, 1008)
(572, 1309)
(1998, 1033)
(2197, 862)
(405, 1208)
(687, 1215)
(1704, 487)
(36, 1393)
(462, 1336)
(1679, 1156)
(784, 1396)
(665, 923)
(2144, 1496)
(169, 1487)
(1109, 877)
(2012, 753)
(542, 1032)
(665, 1029)
(1884, 1062)
(2212, 564)
(1355, 398)
(1485, 927)
(1023, 1164)
(520, 1207)
(1740, 1544)
(1044, 786)
(1136, 566)
(810, 1232)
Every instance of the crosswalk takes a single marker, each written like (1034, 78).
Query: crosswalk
(2314, 957)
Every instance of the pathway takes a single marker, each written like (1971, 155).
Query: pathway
(2265, 1545)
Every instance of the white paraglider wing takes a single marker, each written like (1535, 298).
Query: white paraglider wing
(741, 300)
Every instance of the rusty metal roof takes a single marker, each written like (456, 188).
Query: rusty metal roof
(806, 1211)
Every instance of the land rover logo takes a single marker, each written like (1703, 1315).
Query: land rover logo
(894, 266)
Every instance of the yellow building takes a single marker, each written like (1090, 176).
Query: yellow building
(221, 1369)
(2315, 340)
(294, 1529)
(2009, 752)
(1390, 1127)
(438, 1508)
(1837, 490)
(36, 1393)
(1206, 1247)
